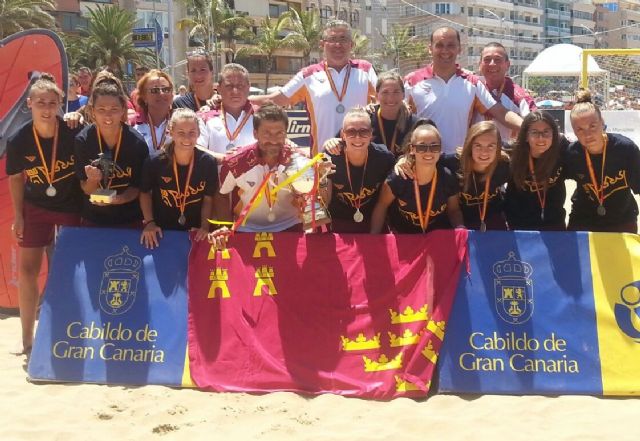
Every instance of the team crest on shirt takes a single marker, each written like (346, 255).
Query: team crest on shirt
(166, 179)
(119, 282)
(30, 158)
(513, 289)
(251, 183)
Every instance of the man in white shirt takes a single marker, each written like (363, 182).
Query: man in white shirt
(448, 95)
(232, 126)
(329, 88)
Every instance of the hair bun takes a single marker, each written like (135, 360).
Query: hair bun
(583, 96)
(46, 76)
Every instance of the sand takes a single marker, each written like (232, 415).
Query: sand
(93, 412)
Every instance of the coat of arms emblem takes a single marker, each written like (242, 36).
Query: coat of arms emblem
(119, 282)
(513, 289)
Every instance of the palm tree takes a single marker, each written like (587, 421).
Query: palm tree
(273, 35)
(308, 25)
(214, 20)
(360, 44)
(109, 40)
(399, 45)
(18, 15)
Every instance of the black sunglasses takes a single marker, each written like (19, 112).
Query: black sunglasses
(157, 90)
(427, 148)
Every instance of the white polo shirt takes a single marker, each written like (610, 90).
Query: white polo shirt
(145, 130)
(215, 137)
(513, 98)
(311, 86)
(246, 170)
(449, 104)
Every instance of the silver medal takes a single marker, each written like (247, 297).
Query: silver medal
(51, 191)
(483, 227)
(271, 216)
(182, 219)
(340, 108)
(601, 210)
(542, 214)
(358, 216)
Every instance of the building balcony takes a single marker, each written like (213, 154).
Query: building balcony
(557, 13)
(491, 22)
(521, 25)
(552, 31)
(499, 4)
(484, 40)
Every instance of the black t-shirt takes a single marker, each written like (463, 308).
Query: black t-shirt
(471, 200)
(133, 152)
(622, 175)
(158, 178)
(187, 101)
(403, 212)
(523, 208)
(23, 157)
(344, 197)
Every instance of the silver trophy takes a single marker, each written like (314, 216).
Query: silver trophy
(303, 185)
(106, 165)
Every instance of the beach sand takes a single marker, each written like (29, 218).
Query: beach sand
(92, 412)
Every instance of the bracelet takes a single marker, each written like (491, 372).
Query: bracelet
(147, 222)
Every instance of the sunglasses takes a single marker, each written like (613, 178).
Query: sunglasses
(361, 133)
(157, 90)
(427, 148)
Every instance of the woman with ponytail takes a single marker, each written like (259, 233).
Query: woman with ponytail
(178, 185)
(606, 168)
(44, 190)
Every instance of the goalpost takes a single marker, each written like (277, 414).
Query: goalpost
(621, 86)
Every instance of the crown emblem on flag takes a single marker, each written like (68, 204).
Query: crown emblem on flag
(409, 315)
(360, 343)
(408, 338)
(437, 328)
(430, 353)
(119, 282)
(513, 289)
(383, 363)
(406, 386)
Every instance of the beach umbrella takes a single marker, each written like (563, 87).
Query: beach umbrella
(549, 103)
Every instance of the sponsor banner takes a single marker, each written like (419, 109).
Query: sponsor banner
(615, 265)
(299, 130)
(356, 315)
(113, 312)
(524, 320)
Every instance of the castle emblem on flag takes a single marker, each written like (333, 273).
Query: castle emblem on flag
(119, 282)
(513, 289)
(627, 312)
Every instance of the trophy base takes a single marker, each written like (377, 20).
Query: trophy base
(102, 196)
(322, 217)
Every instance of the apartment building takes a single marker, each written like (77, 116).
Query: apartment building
(618, 23)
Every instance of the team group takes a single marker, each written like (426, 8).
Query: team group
(408, 155)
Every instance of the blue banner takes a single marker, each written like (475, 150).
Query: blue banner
(523, 320)
(113, 311)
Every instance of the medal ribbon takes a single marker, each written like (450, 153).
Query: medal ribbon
(115, 155)
(599, 192)
(182, 197)
(391, 147)
(357, 204)
(483, 211)
(345, 83)
(269, 196)
(424, 217)
(542, 199)
(232, 136)
(154, 139)
(253, 203)
(49, 171)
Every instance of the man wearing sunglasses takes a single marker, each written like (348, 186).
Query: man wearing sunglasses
(361, 168)
(331, 87)
(447, 94)
(494, 67)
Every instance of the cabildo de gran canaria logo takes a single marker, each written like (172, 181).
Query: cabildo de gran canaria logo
(627, 312)
(119, 282)
(513, 289)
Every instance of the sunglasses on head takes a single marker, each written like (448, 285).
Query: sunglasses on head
(352, 133)
(427, 148)
(157, 90)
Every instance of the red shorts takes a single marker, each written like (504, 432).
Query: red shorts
(40, 225)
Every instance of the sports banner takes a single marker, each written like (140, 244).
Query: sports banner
(113, 312)
(546, 313)
(356, 315)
